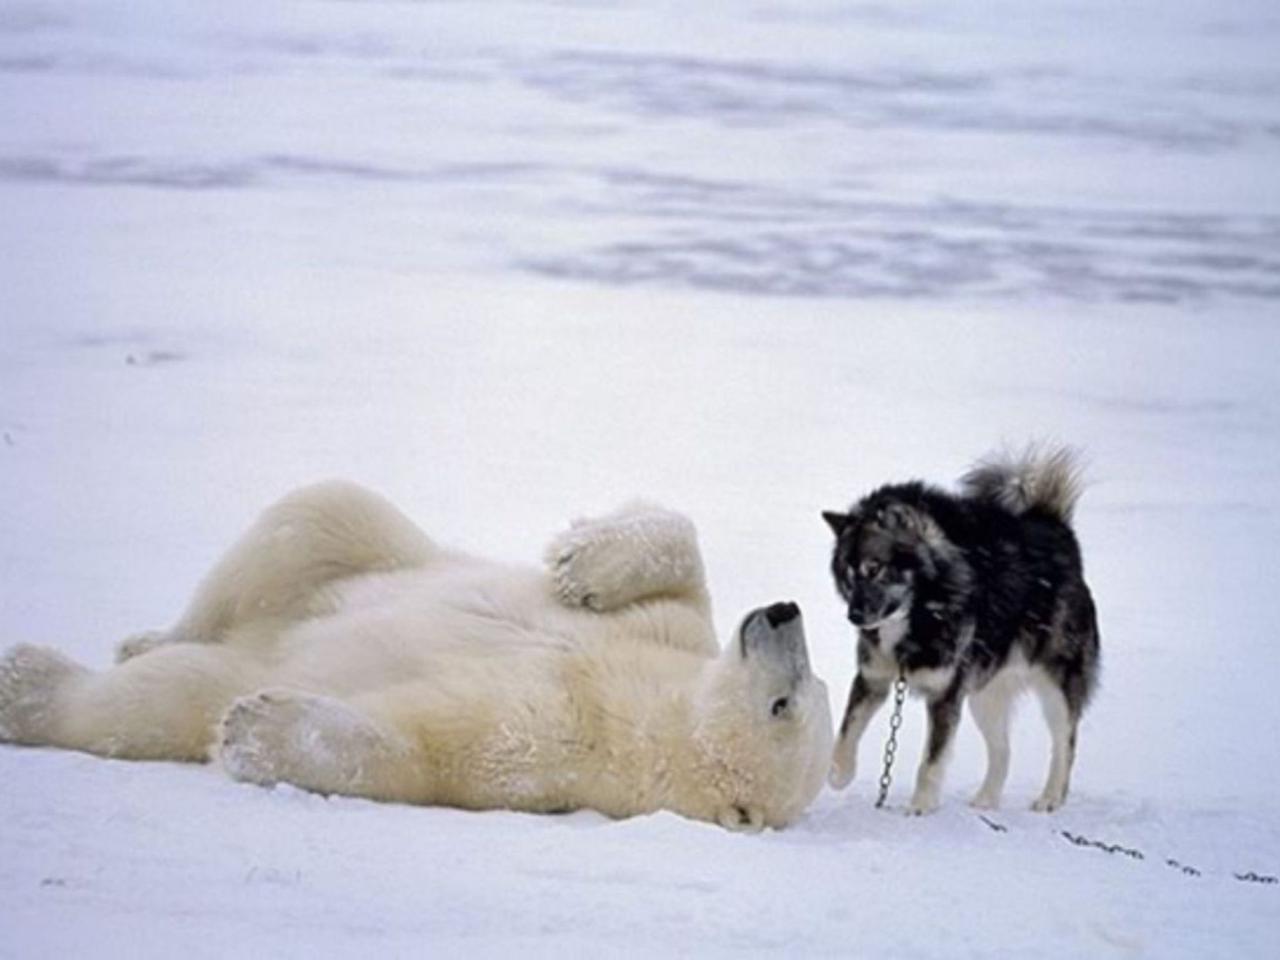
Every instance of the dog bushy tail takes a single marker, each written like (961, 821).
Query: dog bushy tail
(1038, 478)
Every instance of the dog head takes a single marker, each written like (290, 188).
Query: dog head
(886, 546)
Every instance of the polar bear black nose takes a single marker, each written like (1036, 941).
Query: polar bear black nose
(780, 613)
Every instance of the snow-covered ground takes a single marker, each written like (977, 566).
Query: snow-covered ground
(513, 262)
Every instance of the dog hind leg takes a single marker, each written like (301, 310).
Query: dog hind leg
(991, 708)
(1063, 722)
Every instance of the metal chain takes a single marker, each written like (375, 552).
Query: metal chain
(1079, 840)
(1075, 839)
(1082, 841)
(891, 745)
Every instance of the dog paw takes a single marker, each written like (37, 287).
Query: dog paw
(30, 678)
(140, 643)
(1048, 802)
(985, 801)
(922, 805)
(287, 736)
(842, 773)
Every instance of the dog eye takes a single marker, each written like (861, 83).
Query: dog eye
(780, 706)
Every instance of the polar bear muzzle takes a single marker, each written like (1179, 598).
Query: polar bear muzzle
(775, 635)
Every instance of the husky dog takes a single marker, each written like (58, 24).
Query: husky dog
(977, 594)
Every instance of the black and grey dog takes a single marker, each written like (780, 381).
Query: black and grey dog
(976, 595)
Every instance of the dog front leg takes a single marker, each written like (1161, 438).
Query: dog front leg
(944, 717)
(865, 698)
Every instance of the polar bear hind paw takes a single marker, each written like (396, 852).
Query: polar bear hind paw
(290, 736)
(30, 677)
(140, 643)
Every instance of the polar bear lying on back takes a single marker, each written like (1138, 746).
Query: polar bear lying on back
(337, 648)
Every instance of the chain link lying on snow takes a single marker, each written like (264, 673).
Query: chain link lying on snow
(1075, 839)
(891, 745)
(1079, 840)
(1252, 877)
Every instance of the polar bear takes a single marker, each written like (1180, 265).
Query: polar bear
(337, 648)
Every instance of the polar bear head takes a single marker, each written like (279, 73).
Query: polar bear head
(762, 726)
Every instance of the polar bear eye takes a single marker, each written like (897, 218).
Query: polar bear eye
(780, 706)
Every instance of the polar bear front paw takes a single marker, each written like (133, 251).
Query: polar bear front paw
(570, 564)
(30, 678)
(288, 736)
(577, 577)
(639, 551)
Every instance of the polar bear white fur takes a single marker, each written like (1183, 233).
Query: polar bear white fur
(337, 648)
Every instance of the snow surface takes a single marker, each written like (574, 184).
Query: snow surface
(511, 263)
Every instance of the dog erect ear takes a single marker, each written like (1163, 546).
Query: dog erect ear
(836, 521)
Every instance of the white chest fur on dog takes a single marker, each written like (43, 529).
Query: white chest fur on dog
(337, 648)
(881, 664)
